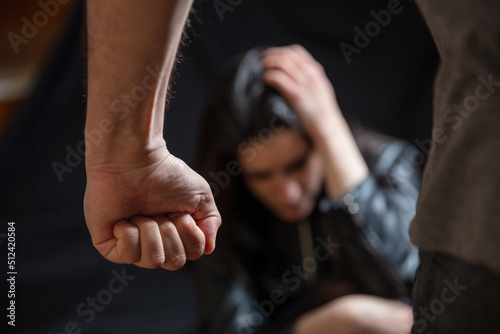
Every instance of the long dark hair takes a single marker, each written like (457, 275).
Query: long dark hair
(241, 108)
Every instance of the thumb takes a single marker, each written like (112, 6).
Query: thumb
(209, 226)
(124, 246)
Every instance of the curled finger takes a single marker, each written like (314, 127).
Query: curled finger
(151, 243)
(191, 235)
(175, 255)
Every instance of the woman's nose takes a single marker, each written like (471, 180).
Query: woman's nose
(289, 190)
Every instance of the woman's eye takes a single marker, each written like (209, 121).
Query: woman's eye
(298, 165)
(259, 176)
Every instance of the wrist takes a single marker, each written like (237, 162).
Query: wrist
(343, 162)
(327, 124)
(330, 134)
(123, 153)
(134, 129)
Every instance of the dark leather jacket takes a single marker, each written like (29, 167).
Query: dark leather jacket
(265, 273)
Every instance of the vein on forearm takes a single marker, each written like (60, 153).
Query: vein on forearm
(129, 42)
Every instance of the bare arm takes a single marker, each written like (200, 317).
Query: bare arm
(142, 205)
(129, 42)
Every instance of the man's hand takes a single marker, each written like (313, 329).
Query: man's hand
(142, 205)
(151, 210)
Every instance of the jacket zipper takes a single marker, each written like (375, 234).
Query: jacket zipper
(307, 251)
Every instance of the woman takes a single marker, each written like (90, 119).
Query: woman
(316, 212)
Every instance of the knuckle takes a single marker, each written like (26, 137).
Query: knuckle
(294, 95)
(153, 261)
(311, 72)
(318, 67)
(168, 228)
(183, 226)
(217, 222)
(130, 257)
(284, 64)
(176, 262)
(196, 251)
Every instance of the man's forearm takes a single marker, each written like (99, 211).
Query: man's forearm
(142, 205)
(132, 46)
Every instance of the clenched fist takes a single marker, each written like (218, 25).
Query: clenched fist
(151, 210)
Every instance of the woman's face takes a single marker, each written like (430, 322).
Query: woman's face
(285, 174)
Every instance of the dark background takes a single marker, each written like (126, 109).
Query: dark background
(387, 86)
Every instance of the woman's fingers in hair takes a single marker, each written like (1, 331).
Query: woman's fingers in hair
(293, 61)
(300, 52)
(302, 81)
(283, 83)
(294, 58)
(283, 61)
(295, 51)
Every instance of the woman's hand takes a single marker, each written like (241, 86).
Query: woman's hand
(302, 81)
(357, 314)
(294, 73)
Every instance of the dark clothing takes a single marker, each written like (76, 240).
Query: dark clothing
(455, 296)
(456, 224)
(265, 273)
(458, 207)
